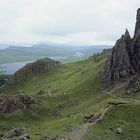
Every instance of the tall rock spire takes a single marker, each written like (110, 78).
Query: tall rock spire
(127, 35)
(124, 61)
(118, 67)
(137, 28)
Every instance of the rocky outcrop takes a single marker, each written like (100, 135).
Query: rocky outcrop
(15, 134)
(24, 137)
(39, 66)
(125, 58)
(9, 104)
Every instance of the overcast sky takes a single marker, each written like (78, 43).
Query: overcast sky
(75, 22)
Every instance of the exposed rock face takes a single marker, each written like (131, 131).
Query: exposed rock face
(137, 27)
(39, 66)
(125, 58)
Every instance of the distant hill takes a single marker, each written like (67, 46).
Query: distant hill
(56, 51)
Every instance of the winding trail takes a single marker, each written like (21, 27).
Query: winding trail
(79, 133)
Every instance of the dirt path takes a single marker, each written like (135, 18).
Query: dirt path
(79, 133)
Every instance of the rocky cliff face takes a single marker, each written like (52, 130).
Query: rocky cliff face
(39, 66)
(124, 61)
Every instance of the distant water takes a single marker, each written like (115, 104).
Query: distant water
(78, 54)
(58, 58)
(11, 68)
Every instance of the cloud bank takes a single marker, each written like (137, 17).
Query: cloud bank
(74, 22)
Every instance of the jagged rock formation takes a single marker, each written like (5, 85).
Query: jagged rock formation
(98, 56)
(9, 104)
(125, 58)
(39, 66)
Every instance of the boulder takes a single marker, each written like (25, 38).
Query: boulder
(24, 137)
(26, 100)
(119, 131)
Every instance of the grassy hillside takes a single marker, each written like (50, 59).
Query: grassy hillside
(69, 94)
(123, 116)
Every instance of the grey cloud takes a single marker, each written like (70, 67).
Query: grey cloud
(35, 20)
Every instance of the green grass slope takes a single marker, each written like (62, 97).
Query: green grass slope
(123, 116)
(67, 95)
